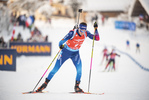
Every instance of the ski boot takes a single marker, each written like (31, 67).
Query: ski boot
(77, 88)
(43, 86)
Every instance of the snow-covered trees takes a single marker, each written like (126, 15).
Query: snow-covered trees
(5, 19)
(31, 6)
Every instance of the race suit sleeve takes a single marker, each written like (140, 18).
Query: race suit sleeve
(109, 54)
(97, 38)
(67, 37)
(117, 54)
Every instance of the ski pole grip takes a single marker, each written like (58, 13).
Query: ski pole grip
(80, 10)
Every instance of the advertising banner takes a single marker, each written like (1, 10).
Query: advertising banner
(32, 49)
(8, 59)
(125, 25)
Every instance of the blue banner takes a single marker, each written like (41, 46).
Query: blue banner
(32, 49)
(8, 59)
(125, 25)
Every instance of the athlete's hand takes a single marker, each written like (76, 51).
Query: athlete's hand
(95, 25)
(61, 46)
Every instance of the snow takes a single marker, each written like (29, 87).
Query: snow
(105, 5)
(128, 82)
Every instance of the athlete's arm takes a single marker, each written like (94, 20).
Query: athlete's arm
(67, 37)
(117, 54)
(97, 38)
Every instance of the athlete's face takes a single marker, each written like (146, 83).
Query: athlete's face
(82, 31)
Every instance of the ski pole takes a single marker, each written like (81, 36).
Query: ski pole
(91, 62)
(80, 11)
(47, 69)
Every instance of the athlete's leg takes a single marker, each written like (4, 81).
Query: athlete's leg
(108, 64)
(78, 64)
(64, 55)
(114, 64)
(102, 59)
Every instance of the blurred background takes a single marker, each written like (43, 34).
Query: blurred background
(18, 12)
(26, 12)
(34, 28)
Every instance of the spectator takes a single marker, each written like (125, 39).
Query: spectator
(22, 19)
(13, 17)
(49, 20)
(137, 47)
(19, 20)
(19, 38)
(2, 43)
(36, 36)
(96, 17)
(36, 32)
(146, 19)
(46, 38)
(141, 17)
(127, 43)
(103, 19)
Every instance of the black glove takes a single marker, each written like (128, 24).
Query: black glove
(95, 25)
(61, 46)
(75, 27)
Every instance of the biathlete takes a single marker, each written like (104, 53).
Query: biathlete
(70, 45)
(105, 54)
(128, 43)
(112, 55)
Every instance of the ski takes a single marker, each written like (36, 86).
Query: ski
(33, 92)
(86, 93)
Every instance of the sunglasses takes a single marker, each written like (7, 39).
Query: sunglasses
(82, 31)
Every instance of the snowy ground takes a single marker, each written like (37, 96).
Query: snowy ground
(129, 82)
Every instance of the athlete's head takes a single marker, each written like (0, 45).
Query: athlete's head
(83, 26)
(113, 51)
